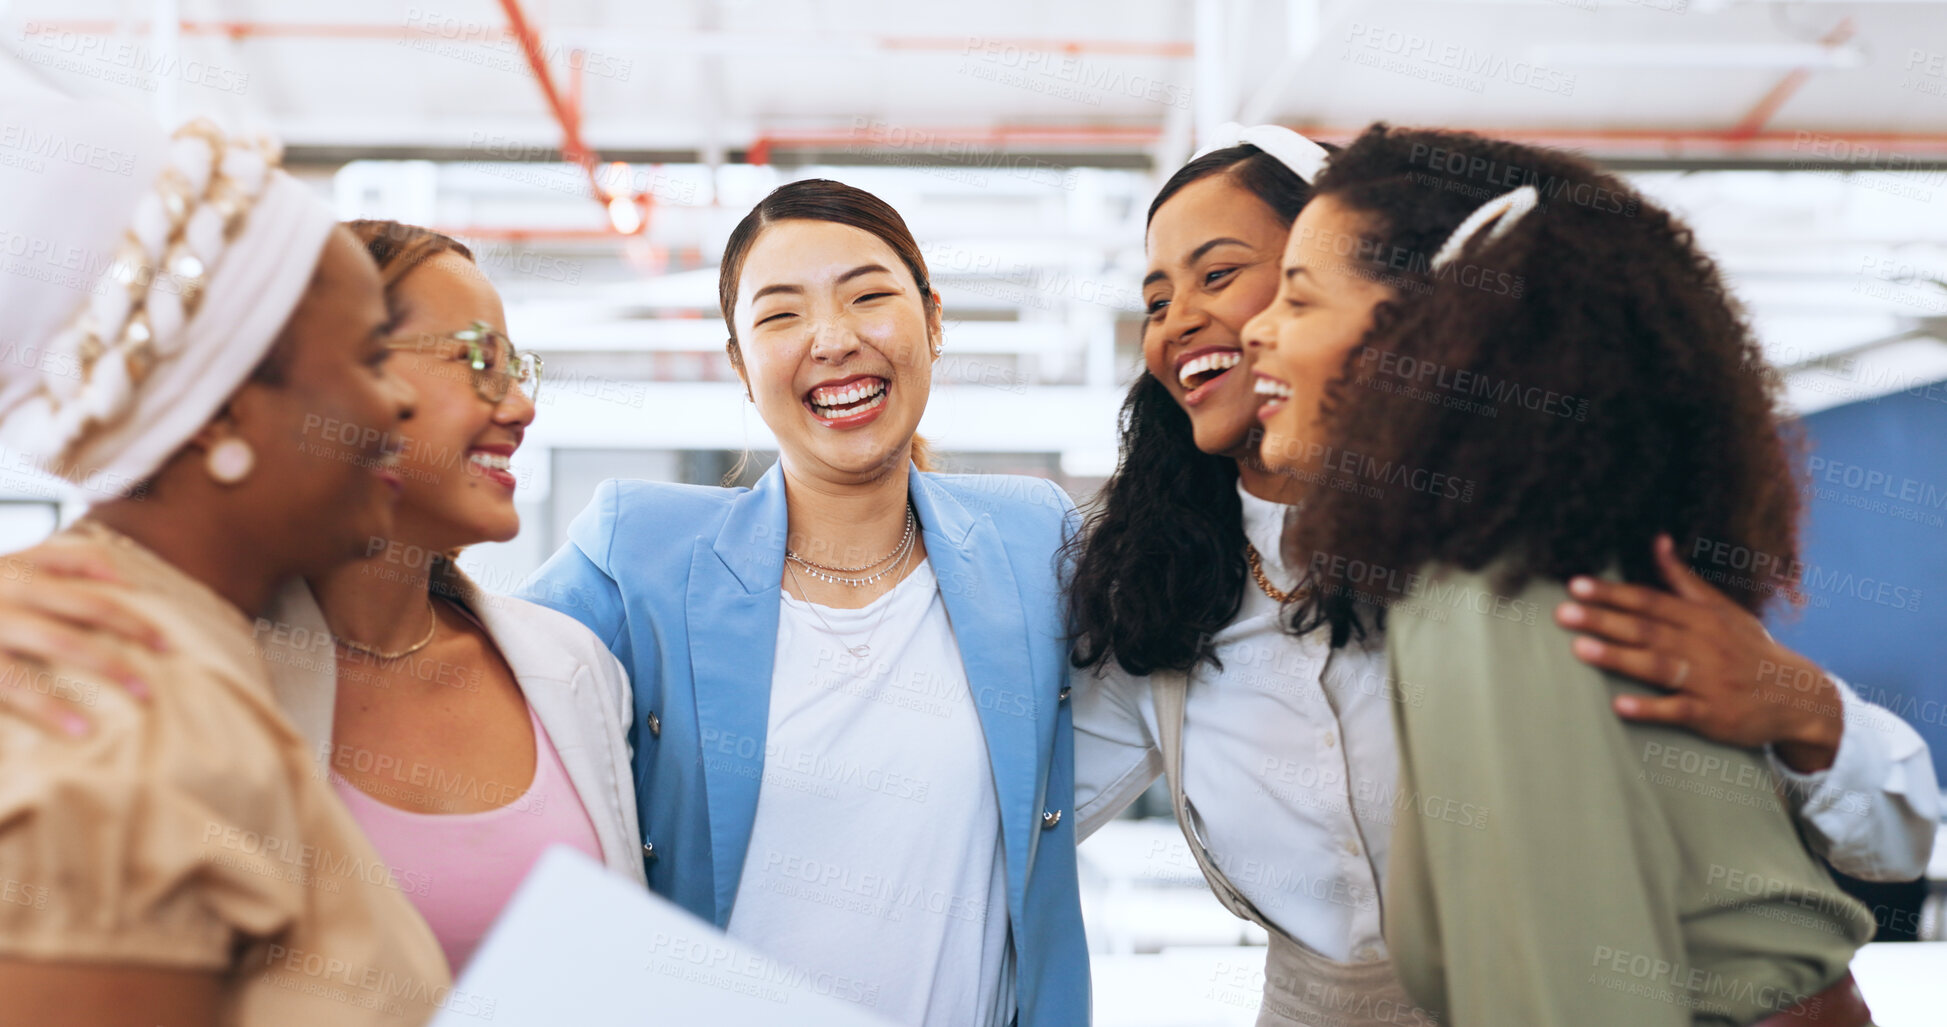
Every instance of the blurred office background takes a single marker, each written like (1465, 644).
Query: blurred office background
(595, 153)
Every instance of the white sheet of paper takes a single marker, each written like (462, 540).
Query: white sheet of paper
(578, 945)
(1905, 982)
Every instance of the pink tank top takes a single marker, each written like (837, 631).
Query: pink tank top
(461, 868)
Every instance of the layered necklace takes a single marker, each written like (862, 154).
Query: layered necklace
(857, 577)
(867, 574)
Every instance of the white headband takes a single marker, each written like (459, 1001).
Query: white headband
(1304, 157)
(1503, 210)
(169, 264)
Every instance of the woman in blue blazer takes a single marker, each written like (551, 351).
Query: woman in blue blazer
(852, 738)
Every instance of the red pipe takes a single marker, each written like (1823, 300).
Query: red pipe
(572, 147)
(1767, 107)
(567, 112)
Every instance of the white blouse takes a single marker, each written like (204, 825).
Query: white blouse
(1294, 772)
(875, 860)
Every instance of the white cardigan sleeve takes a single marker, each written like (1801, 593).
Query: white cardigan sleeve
(1115, 756)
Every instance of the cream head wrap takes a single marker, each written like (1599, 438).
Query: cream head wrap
(143, 275)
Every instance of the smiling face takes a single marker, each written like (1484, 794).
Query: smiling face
(1213, 264)
(1324, 306)
(326, 428)
(457, 487)
(836, 347)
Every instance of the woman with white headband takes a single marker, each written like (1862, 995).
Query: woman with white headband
(211, 369)
(1283, 763)
(1551, 864)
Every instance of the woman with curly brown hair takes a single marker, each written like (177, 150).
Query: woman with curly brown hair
(1485, 401)
(1278, 749)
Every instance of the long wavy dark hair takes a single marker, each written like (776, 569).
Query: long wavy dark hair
(1584, 381)
(1160, 568)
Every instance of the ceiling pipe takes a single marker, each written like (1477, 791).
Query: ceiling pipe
(627, 211)
(1767, 107)
(675, 42)
(1603, 143)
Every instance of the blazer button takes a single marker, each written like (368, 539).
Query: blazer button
(1063, 697)
(655, 725)
(1050, 819)
(649, 851)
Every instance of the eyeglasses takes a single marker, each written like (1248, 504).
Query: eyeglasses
(492, 361)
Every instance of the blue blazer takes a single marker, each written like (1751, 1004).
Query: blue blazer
(682, 583)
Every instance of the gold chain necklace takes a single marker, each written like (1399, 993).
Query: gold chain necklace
(1264, 585)
(380, 654)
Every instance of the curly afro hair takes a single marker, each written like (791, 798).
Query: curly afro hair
(1585, 373)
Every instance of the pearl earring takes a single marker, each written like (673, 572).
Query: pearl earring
(230, 461)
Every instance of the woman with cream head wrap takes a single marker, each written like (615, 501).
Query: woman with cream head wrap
(194, 344)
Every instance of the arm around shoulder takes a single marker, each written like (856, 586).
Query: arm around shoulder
(576, 579)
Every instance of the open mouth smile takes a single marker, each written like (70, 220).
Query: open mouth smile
(1198, 370)
(1272, 394)
(493, 463)
(848, 402)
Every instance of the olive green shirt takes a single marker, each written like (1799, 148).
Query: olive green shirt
(1555, 864)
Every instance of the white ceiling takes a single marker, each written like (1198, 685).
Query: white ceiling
(1024, 139)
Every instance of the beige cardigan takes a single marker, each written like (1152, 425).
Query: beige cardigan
(576, 687)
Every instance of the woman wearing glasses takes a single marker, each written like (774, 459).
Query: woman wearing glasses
(465, 731)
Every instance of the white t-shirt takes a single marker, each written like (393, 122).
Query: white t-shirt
(875, 861)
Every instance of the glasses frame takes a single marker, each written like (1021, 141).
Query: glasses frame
(522, 369)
